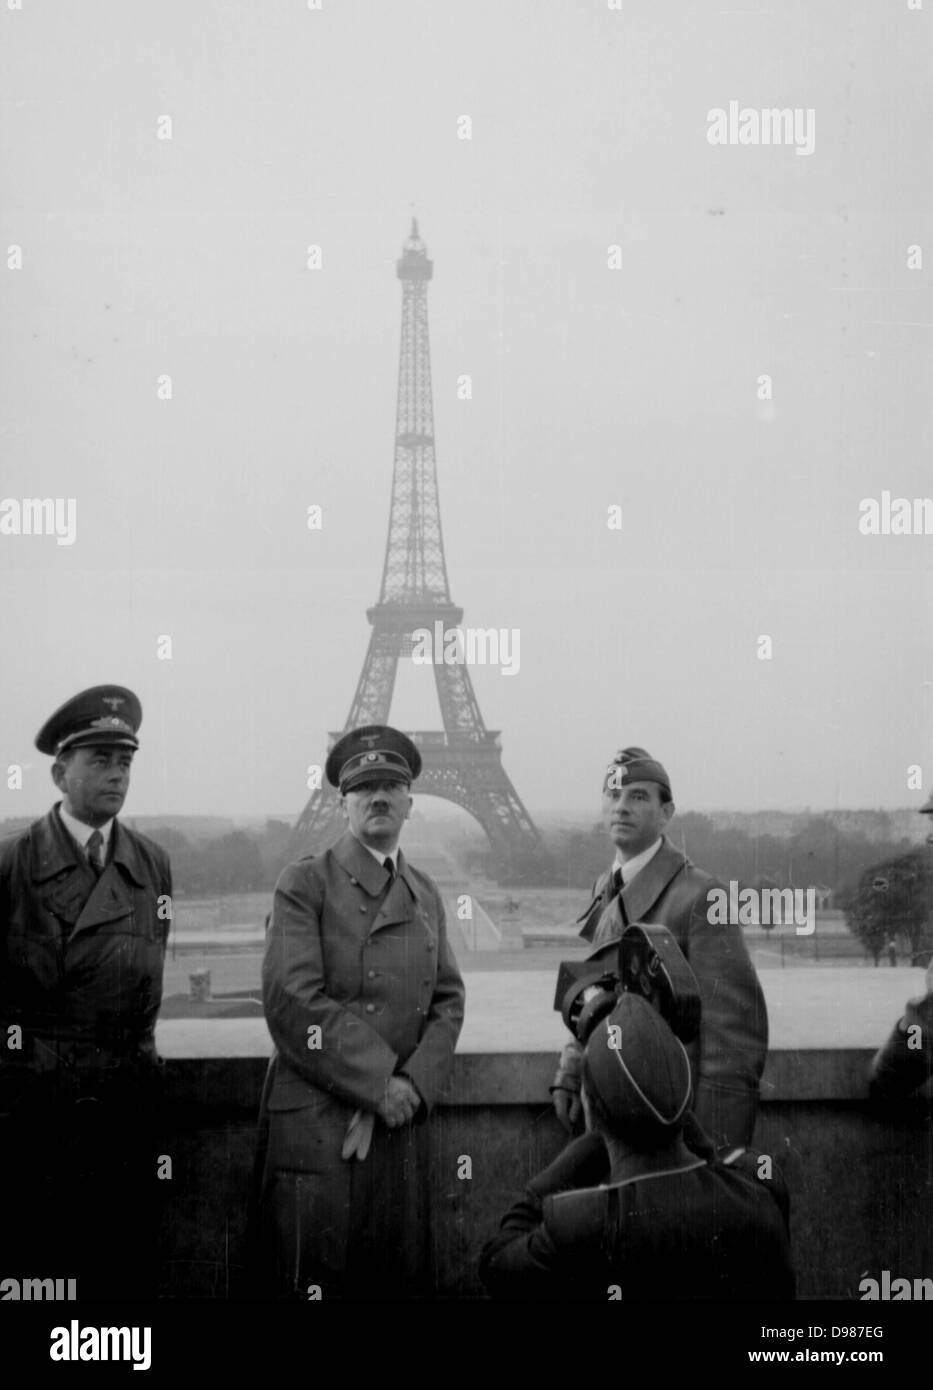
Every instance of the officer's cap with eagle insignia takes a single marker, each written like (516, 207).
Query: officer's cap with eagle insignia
(105, 714)
(372, 753)
(635, 765)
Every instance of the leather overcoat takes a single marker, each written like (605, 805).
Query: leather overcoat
(81, 962)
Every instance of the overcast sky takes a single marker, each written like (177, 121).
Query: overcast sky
(591, 386)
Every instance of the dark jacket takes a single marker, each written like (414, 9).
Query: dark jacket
(698, 1230)
(370, 967)
(906, 1059)
(80, 962)
(728, 1058)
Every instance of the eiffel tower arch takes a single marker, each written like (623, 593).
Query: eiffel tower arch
(462, 762)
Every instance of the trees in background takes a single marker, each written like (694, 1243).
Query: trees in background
(848, 862)
(817, 854)
(229, 863)
(894, 898)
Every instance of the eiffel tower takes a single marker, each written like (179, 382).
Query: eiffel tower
(462, 764)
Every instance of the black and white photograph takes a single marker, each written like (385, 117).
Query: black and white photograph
(466, 754)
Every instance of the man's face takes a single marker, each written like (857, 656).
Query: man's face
(376, 811)
(94, 782)
(635, 816)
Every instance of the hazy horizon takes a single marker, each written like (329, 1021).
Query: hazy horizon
(440, 811)
(638, 387)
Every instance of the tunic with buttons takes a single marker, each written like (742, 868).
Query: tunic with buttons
(359, 984)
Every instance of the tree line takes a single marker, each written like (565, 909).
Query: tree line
(238, 861)
(818, 854)
(884, 888)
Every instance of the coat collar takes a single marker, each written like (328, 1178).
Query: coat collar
(54, 850)
(52, 847)
(647, 886)
(361, 865)
(639, 896)
(126, 854)
(405, 873)
(397, 905)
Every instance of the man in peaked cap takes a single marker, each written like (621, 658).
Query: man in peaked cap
(629, 1211)
(85, 906)
(650, 881)
(364, 1002)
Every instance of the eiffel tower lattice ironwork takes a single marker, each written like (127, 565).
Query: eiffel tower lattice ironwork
(462, 764)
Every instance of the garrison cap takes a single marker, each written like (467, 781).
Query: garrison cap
(105, 714)
(640, 1072)
(373, 752)
(636, 765)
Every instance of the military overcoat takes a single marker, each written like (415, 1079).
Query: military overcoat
(728, 1057)
(359, 983)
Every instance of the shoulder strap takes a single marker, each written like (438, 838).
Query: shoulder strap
(577, 1217)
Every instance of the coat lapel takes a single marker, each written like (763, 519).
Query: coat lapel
(53, 849)
(642, 893)
(111, 901)
(591, 914)
(62, 877)
(402, 900)
(396, 907)
(77, 900)
(604, 922)
(360, 865)
(399, 898)
(125, 853)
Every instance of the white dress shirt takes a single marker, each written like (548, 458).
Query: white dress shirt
(381, 858)
(82, 833)
(633, 866)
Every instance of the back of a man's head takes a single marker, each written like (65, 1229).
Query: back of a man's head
(636, 1075)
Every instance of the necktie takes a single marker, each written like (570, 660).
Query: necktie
(95, 855)
(390, 868)
(617, 886)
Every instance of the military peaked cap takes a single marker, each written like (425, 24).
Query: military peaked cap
(372, 753)
(105, 714)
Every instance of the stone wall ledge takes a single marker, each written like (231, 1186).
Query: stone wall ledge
(233, 1081)
(825, 1026)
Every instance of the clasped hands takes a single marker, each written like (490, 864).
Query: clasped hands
(397, 1107)
(400, 1102)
